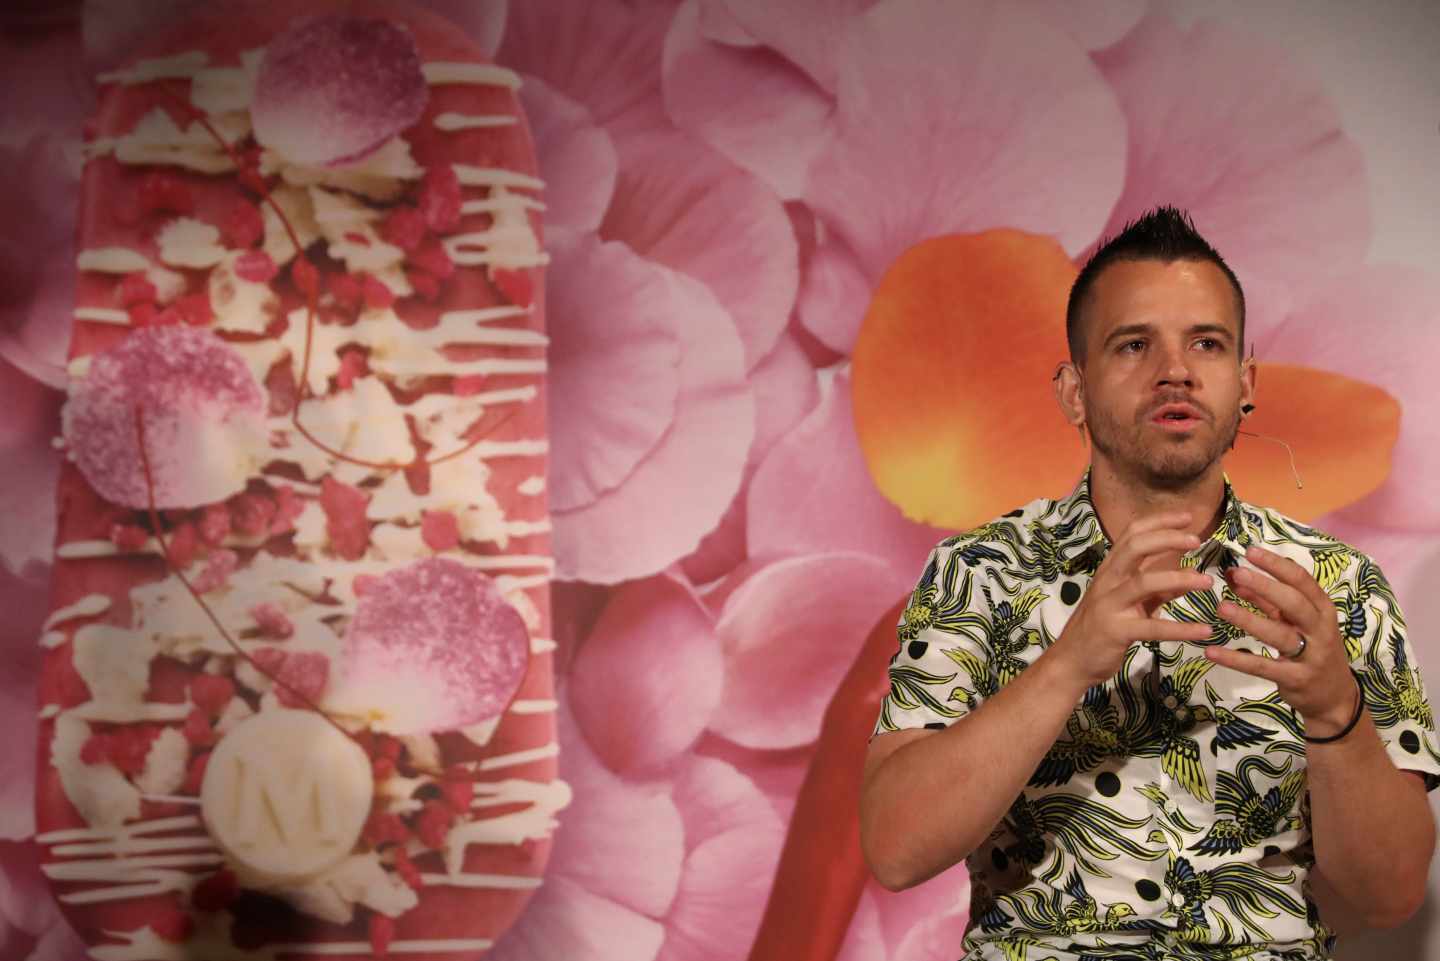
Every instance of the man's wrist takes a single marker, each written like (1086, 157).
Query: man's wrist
(1337, 720)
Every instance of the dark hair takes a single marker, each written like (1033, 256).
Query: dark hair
(1165, 234)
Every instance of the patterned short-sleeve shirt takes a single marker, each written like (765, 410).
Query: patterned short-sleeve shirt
(1170, 818)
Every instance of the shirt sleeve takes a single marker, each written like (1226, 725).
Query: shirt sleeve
(1384, 664)
(943, 669)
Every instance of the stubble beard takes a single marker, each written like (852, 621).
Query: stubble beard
(1160, 461)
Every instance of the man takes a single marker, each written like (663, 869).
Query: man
(1143, 714)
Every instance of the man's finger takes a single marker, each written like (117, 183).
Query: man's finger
(1172, 584)
(1268, 668)
(1292, 605)
(1135, 549)
(1290, 573)
(1177, 520)
(1283, 637)
(1250, 597)
(1155, 629)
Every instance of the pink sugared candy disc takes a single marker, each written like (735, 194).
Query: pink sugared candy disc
(334, 88)
(432, 647)
(202, 410)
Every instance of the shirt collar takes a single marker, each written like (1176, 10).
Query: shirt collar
(1081, 543)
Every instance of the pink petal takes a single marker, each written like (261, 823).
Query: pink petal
(682, 205)
(47, 88)
(719, 24)
(616, 362)
(809, 33)
(834, 294)
(603, 53)
(433, 646)
(37, 255)
(1397, 350)
(566, 920)
(483, 21)
(790, 633)
(778, 774)
(333, 88)
(1277, 187)
(902, 913)
(188, 387)
(864, 941)
(737, 100)
(938, 134)
(734, 839)
(934, 938)
(1095, 25)
(576, 158)
(25, 598)
(619, 840)
(657, 623)
(785, 391)
(32, 467)
(679, 491)
(816, 477)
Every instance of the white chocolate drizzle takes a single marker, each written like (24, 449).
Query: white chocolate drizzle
(459, 121)
(447, 71)
(87, 606)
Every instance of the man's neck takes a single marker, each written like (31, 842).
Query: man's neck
(1120, 500)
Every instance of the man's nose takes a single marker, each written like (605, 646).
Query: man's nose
(1174, 369)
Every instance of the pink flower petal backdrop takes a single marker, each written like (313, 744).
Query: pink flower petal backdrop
(727, 181)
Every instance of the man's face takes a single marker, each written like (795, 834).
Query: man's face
(1162, 375)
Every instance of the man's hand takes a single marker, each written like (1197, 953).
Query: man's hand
(1318, 683)
(1116, 609)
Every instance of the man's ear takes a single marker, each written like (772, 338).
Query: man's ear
(1070, 393)
(1247, 386)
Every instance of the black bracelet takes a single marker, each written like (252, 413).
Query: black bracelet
(1359, 709)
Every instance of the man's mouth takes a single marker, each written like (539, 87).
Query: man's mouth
(1176, 417)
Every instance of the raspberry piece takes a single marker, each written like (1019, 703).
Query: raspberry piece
(195, 309)
(173, 925)
(168, 681)
(355, 237)
(426, 287)
(288, 507)
(434, 823)
(363, 583)
(163, 192)
(195, 773)
(184, 542)
(407, 870)
(352, 367)
(383, 745)
(218, 568)
(129, 537)
(405, 228)
(169, 317)
(300, 677)
(272, 621)
(96, 749)
(256, 266)
(216, 892)
(434, 259)
(385, 828)
(382, 932)
(251, 514)
(214, 524)
(197, 729)
(211, 692)
(440, 199)
(244, 225)
(346, 290)
(305, 277)
(514, 285)
(60, 683)
(143, 314)
(345, 521)
(440, 530)
(135, 289)
(129, 746)
(458, 790)
(382, 768)
(377, 295)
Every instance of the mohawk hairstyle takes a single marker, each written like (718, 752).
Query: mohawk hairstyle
(1165, 234)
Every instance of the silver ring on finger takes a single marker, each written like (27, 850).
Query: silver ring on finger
(1295, 654)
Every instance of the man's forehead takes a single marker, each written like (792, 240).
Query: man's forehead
(1160, 295)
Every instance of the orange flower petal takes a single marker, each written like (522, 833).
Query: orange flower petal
(1341, 430)
(951, 375)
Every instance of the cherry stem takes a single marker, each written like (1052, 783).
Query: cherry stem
(311, 304)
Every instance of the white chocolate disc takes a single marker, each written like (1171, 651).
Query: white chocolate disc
(286, 794)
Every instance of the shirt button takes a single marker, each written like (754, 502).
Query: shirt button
(1172, 702)
(1177, 899)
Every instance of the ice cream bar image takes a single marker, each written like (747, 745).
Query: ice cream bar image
(298, 698)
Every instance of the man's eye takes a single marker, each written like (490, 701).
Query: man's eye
(1210, 344)
(1131, 346)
